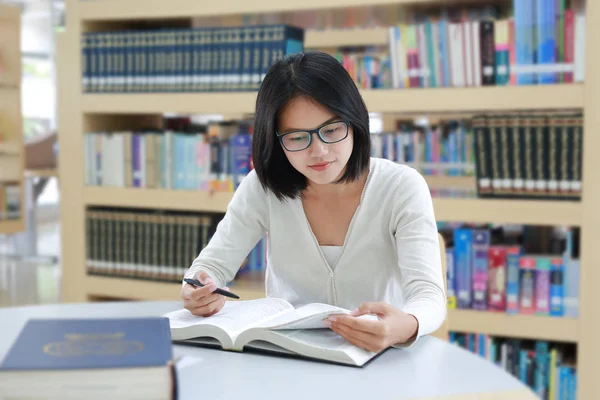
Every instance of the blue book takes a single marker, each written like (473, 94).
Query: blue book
(114, 354)
(90, 343)
(463, 260)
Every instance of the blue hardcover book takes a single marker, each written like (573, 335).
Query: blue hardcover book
(557, 308)
(463, 267)
(71, 358)
(542, 369)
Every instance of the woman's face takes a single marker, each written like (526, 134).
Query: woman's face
(321, 163)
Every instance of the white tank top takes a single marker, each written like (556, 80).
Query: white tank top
(331, 254)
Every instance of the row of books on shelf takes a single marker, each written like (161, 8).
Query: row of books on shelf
(526, 270)
(217, 156)
(444, 148)
(548, 368)
(529, 155)
(540, 42)
(152, 245)
(230, 58)
(10, 202)
(537, 43)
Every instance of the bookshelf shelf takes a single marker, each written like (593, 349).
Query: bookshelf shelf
(137, 289)
(9, 227)
(351, 37)
(112, 10)
(12, 154)
(377, 100)
(522, 326)
(446, 209)
(10, 149)
(534, 212)
(183, 200)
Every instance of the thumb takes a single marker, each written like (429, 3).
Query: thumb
(377, 308)
(203, 277)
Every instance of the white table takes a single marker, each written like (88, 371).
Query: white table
(431, 369)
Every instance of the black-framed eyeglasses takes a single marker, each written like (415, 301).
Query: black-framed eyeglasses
(331, 132)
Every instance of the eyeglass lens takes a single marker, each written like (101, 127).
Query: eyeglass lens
(330, 133)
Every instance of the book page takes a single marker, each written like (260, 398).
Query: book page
(309, 316)
(235, 315)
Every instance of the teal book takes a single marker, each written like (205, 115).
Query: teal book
(77, 357)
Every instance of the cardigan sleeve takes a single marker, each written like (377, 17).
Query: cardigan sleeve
(244, 224)
(418, 250)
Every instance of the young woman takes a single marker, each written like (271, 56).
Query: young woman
(343, 228)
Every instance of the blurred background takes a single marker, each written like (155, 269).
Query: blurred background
(125, 128)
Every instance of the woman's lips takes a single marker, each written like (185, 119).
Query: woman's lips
(321, 166)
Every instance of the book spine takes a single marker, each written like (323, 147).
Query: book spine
(527, 285)
(450, 279)
(497, 272)
(481, 242)
(488, 50)
(542, 286)
(513, 255)
(556, 287)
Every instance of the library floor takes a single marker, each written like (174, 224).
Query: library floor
(36, 281)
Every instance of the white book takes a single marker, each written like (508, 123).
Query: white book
(456, 54)
(272, 325)
(468, 51)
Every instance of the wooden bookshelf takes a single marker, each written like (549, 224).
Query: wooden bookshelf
(377, 100)
(80, 113)
(113, 10)
(533, 212)
(315, 39)
(156, 198)
(98, 287)
(522, 326)
(12, 154)
(446, 209)
(11, 227)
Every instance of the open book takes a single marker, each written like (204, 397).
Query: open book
(272, 325)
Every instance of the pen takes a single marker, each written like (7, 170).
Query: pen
(196, 282)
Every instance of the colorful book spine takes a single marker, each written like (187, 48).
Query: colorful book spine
(463, 264)
(542, 286)
(497, 278)
(450, 279)
(556, 287)
(527, 285)
(481, 243)
(512, 279)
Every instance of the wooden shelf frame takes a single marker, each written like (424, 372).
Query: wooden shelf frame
(12, 150)
(74, 109)
(114, 10)
(377, 100)
(560, 329)
(446, 209)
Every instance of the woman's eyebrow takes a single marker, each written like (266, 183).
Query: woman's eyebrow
(302, 129)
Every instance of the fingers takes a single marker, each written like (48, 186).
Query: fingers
(361, 339)
(203, 277)
(196, 293)
(379, 308)
(209, 309)
(359, 324)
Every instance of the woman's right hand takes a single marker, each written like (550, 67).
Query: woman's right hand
(202, 301)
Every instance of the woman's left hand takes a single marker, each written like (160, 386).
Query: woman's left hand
(392, 326)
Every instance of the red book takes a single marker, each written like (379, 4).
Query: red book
(569, 44)
(497, 278)
(511, 51)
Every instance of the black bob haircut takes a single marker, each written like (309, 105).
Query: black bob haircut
(322, 78)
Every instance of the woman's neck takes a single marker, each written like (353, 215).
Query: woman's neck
(348, 189)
